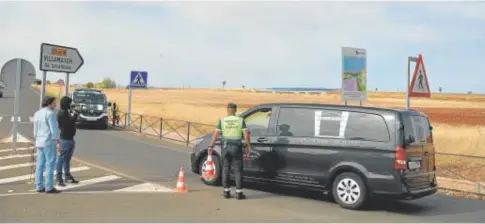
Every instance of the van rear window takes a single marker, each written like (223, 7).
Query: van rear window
(306, 122)
(416, 129)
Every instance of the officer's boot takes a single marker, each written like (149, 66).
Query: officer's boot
(240, 195)
(227, 193)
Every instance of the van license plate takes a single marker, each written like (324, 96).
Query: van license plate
(414, 165)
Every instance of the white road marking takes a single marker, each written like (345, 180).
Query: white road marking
(17, 156)
(83, 183)
(1, 119)
(20, 138)
(28, 176)
(31, 119)
(16, 166)
(145, 187)
(13, 118)
(18, 149)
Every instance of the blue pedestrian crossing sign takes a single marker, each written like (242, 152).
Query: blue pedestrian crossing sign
(138, 79)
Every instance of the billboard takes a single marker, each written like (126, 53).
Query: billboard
(354, 74)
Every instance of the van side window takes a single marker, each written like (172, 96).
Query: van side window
(306, 122)
(258, 121)
(366, 127)
(296, 122)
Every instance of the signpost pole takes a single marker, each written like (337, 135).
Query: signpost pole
(16, 105)
(407, 83)
(408, 77)
(129, 107)
(42, 88)
(66, 84)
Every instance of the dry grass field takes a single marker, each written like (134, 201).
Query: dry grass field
(458, 119)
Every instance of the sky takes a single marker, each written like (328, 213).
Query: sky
(255, 44)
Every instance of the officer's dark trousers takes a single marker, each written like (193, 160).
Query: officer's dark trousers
(232, 154)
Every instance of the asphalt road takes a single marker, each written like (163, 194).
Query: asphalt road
(144, 160)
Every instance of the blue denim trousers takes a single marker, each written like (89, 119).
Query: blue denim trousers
(46, 159)
(64, 160)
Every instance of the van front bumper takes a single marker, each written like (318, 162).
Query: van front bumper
(102, 119)
(193, 163)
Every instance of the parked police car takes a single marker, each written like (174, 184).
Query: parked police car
(351, 152)
(92, 107)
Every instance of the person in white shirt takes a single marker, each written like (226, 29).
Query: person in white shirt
(46, 134)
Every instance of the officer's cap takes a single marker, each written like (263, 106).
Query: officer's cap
(232, 106)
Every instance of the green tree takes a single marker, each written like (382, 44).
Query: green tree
(108, 83)
(89, 85)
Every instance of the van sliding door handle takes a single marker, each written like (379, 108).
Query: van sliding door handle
(262, 139)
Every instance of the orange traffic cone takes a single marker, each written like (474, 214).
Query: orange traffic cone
(209, 172)
(181, 182)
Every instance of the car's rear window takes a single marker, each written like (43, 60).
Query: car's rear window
(416, 128)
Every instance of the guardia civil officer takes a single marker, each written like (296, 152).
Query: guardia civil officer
(232, 128)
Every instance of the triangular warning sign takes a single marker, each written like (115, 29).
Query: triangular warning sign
(138, 80)
(419, 85)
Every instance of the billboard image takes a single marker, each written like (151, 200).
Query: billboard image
(354, 74)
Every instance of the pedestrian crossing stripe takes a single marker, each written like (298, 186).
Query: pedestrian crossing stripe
(145, 187)
(20, 119)
(110, 182)
(138, 80)
(20, 138)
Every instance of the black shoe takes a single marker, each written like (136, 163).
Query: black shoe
(226, 194)
(240, 196)
(72, 181)
(40, 190)
(53, 191)
(61, 184)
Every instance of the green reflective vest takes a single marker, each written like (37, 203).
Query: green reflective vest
(232, 128)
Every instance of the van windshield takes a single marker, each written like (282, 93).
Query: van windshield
(416, 129)
(89, 97)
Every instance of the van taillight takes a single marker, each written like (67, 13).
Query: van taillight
(400, 158)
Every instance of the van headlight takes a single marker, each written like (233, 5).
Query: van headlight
(198, 141)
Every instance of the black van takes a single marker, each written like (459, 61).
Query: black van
(351, 152)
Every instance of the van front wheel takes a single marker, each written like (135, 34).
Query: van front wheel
(217, 168)
(349, 191)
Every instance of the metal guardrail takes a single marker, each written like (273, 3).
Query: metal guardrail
(176, 130)
(456, 172)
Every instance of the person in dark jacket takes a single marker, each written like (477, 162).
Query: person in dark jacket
(67, 126)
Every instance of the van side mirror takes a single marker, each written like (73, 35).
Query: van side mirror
(109, 104)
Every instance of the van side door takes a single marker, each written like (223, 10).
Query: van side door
(258, 121)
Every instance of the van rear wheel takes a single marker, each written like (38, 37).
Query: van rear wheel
(349, 191)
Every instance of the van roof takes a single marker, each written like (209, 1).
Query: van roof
(87, 90)
(338, 106)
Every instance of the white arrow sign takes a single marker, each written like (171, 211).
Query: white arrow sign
(57, 58)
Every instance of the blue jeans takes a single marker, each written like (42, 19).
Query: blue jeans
(64, 160)
(46, 158)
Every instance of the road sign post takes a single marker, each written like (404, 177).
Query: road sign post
(56, 58)
(419, 86)
(17, 74)
(354, 74)
(138, 80)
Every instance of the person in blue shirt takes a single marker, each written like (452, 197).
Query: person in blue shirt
(46, 134)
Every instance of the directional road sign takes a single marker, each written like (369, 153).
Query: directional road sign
(57, 58)
(138, 79)
(419, 85)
